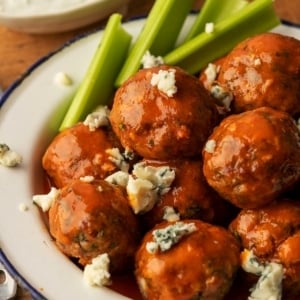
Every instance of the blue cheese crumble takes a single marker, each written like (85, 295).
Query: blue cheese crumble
(149, 60)
(45, 201)
(62, 79)
(161, 176)
(211, 73)
(269, 284)
(118, 159)
(165, 238)
(170, 214)
(141, 193)
(218, 92)
(23, 207)
(209, 27)
(87, 178)
(210, 146)
(222, 95)
(119, 178)
(98, 118)
(165, 81)
(97, 273)
(8, 157)
(146, 184)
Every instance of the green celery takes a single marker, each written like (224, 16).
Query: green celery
(158, 35)
(214, 11)
(257, 17)
(98, 83)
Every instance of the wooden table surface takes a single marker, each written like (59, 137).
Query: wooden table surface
(18, 50)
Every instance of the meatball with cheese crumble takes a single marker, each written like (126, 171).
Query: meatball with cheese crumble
(163, 113)
(263, 70)
(252, 158)
(78, 151)
(189, 196)
(272, 234)
(91, 218)
(186, 259)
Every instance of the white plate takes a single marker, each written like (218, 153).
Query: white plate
(55, 17)
(29, 116)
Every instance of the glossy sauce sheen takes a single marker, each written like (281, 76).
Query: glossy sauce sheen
(87, 219)
(72, 155)
(250, 167)
(157, 126)
(202, 264)
(123, 284)
(263, 71)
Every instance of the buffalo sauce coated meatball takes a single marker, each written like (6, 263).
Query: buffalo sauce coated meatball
(91, 218)
(273, 234)
(186, 259)
(161, 120)
(263, 70)
(77, 152)
(253, 157)
(190, 197)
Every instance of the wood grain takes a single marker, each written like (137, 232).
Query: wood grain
(18, 51)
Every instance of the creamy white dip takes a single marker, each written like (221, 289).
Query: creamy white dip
(26, 7)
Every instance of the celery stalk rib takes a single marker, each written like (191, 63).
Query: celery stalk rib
(98, 83)
(158, 35)
(257, 17)
(214, 11)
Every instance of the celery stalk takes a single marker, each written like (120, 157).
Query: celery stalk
(158, 35)
(98, 83)
(214, 11)
(257, 17)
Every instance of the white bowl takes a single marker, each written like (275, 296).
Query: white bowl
(41, 16)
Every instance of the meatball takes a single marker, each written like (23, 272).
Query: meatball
(77, 152)
(263, 70)
(253, 157)
(187, 259)
(273, 234)
(190, 197)
(160, 125)
(91, 218)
